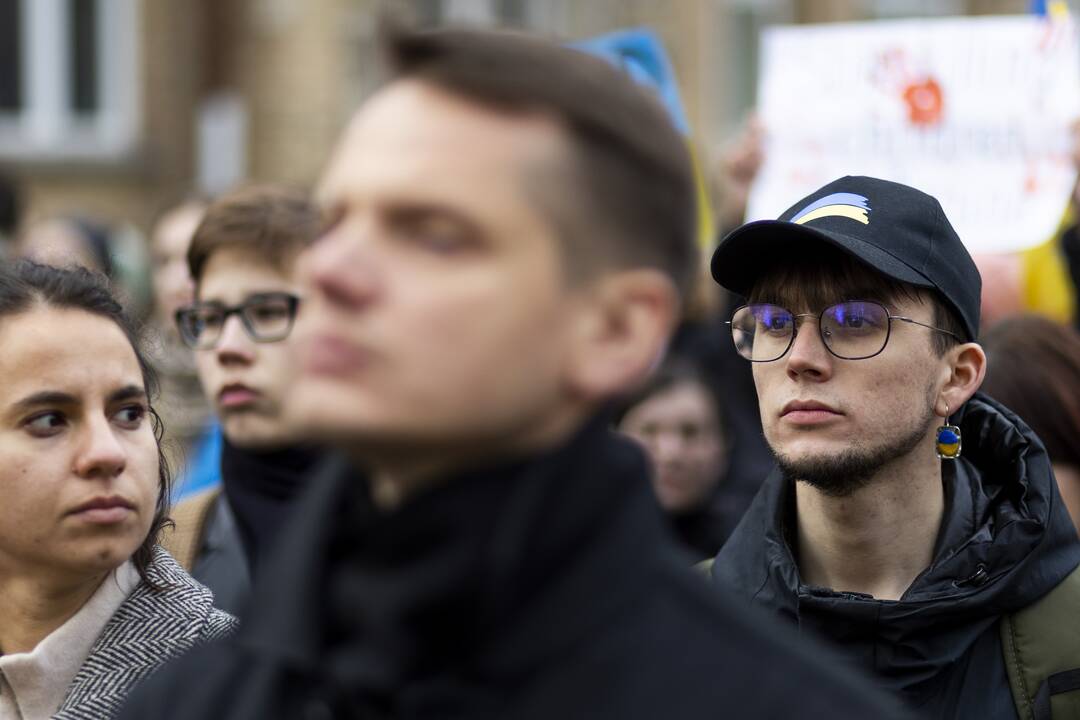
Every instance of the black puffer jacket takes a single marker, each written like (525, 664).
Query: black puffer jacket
(1005, 541)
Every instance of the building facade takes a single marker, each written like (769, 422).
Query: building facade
(118, 108)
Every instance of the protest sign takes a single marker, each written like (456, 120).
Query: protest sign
(975, 111)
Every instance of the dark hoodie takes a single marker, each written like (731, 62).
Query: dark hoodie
(1005, 541)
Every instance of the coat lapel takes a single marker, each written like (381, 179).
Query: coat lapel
(150, 628)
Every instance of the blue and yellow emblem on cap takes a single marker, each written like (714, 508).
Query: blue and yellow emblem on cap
(849, 205)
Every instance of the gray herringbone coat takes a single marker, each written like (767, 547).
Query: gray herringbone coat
(150, 628)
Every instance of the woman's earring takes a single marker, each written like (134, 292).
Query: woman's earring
(948, 439)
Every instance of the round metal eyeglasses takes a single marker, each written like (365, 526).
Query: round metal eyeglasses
(265, 317)
(850, 330)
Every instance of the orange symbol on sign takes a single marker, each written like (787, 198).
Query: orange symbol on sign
(925, 102)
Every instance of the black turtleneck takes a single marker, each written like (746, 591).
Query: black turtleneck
(415, 592)
(261, 488)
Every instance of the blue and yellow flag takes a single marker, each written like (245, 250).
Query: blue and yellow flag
(640, 53)
(1050, 8)
(1047, 285)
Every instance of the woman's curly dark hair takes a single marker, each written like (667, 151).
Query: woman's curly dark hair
(26, 284)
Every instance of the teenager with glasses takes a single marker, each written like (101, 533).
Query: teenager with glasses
(911, 521)
(243, 261)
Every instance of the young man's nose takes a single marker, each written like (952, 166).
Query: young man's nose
(234, 343)
(808, 355)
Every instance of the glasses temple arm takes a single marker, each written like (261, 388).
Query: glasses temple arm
(931, 327)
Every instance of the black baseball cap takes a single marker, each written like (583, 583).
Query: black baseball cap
(897, 230)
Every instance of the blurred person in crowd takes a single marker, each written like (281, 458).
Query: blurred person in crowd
(737, 169)
(89, 604)
(170, 240)
(750, 460)
(909, 521)
(243, 261)
(1033, 368)
(509, 230)
(676, 416)
(193, 444)
(68, 240)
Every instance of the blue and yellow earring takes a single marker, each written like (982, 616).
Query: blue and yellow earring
(948, 439)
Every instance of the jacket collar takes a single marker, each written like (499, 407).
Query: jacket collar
(498, 555)
(1006, 540)
(262, 487)
(179, 610)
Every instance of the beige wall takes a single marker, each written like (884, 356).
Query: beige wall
(132, 189)
(291, 68)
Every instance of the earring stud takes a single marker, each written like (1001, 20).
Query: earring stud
(948, 439)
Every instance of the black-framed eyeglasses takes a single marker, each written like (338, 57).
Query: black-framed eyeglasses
(266, 317)
(850, 330)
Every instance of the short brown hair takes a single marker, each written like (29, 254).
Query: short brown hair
(634, 202)
(818, 275)
(274, 221)
(1033, 368)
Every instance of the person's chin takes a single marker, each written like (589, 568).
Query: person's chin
(102, 554)
(797, 454)
(809, 443)
(255, 433)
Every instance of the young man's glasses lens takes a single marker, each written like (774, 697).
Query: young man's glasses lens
(267, 317)
(852, 330)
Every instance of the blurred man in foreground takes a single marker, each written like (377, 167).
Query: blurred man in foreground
(510, 228)
(913, 523)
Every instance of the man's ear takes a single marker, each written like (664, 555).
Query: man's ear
(622, 328)
(964, 373)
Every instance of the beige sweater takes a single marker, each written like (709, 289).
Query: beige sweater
(34, 684)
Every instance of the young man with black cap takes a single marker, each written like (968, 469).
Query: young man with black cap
(910, 521)
(509, 231)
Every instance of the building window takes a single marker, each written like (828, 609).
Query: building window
(68, 80)
(10, 62)
(83, 40)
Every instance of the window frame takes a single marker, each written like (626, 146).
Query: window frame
(48, 127)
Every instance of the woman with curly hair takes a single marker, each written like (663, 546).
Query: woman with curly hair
(89, 604)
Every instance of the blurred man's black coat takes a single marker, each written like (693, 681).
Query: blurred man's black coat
(540, 589)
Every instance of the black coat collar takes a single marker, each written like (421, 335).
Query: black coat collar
(488, 568)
